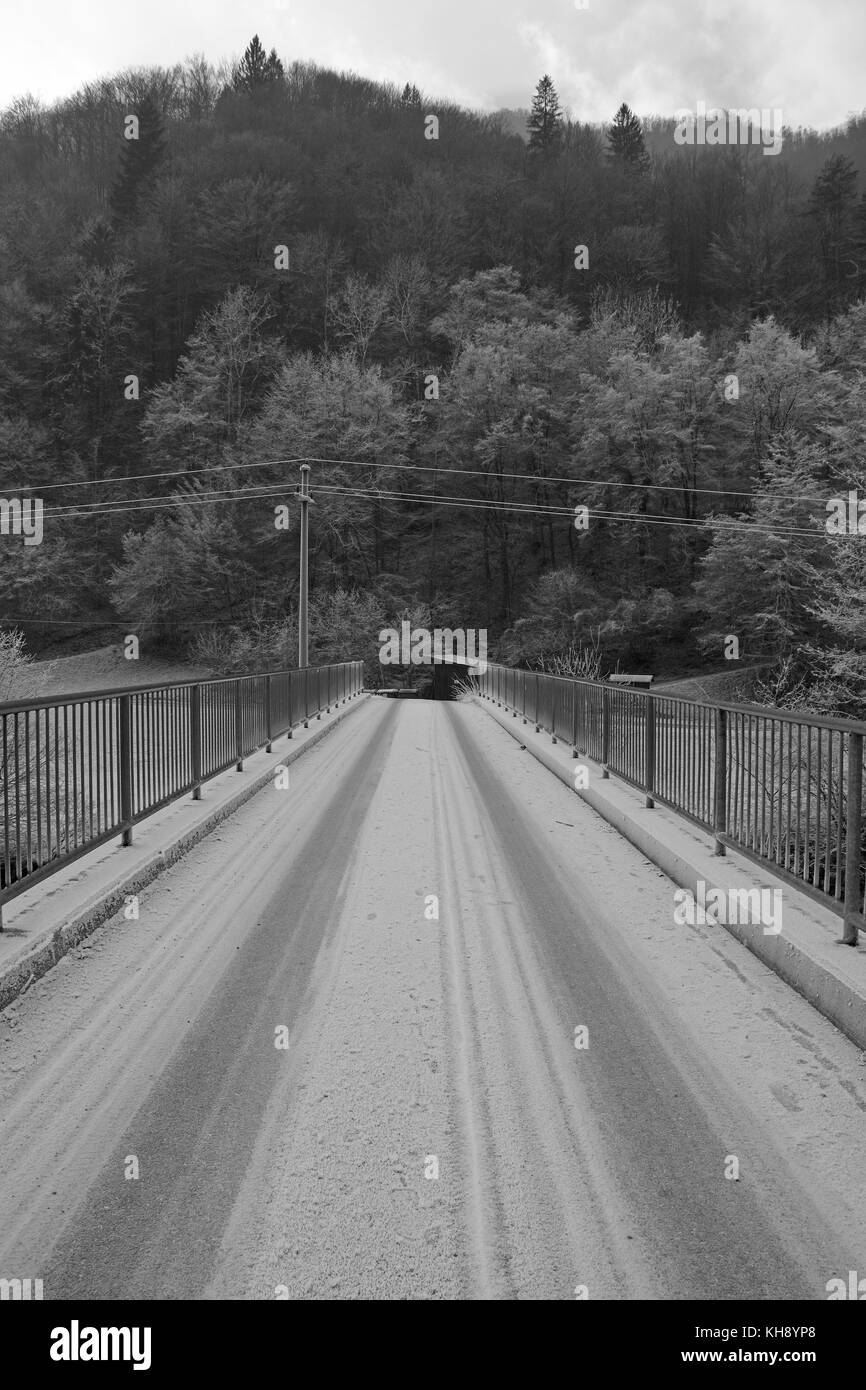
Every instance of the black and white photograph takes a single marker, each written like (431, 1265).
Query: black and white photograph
(432, 672)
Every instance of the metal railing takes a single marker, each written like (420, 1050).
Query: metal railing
(781, 787)
(75, 772)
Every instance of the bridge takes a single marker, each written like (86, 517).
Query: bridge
(307, 994)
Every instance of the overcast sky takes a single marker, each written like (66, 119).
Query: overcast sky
(806, 57)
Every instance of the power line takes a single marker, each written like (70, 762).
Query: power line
(265, 493)
(118, 622)
(491, 505)
(543, 478)
(530, 509)
(537, 478)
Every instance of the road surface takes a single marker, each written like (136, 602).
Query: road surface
(336, 1057)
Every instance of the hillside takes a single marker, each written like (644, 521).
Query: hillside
(207, 276)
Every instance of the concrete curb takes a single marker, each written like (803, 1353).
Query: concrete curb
(38, 957)
(806, 954)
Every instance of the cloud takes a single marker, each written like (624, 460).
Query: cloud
(805, 56)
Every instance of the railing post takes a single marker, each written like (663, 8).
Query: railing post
(650, 751)
(195, 741)
(306, 671)
(574, 752)
(239, 727)
(269, 744)
(720, 799)
(319, 693)
(605, 731)
(126, 805)
(537, 726)
(853, 830)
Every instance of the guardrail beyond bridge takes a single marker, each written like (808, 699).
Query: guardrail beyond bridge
(781, 787)
(80, 770)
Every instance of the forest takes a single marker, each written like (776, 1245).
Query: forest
(586, 388)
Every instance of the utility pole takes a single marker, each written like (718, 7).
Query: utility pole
(303, 605)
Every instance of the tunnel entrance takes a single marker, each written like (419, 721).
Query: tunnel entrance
(443, 679)
(450, 675)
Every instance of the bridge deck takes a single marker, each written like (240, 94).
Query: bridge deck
(431, 1129)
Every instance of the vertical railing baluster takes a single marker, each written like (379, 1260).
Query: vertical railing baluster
(650, 751)
(816, 873)
(38, 713)
(7, 857)
(29, 858)
(126, 812)
(840, 819)
(720, 799)
(788, 797)
(57, 779)
(195, 741)
(852, 839)
(239, 728)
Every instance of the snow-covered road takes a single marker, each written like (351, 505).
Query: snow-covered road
(430, 1129)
